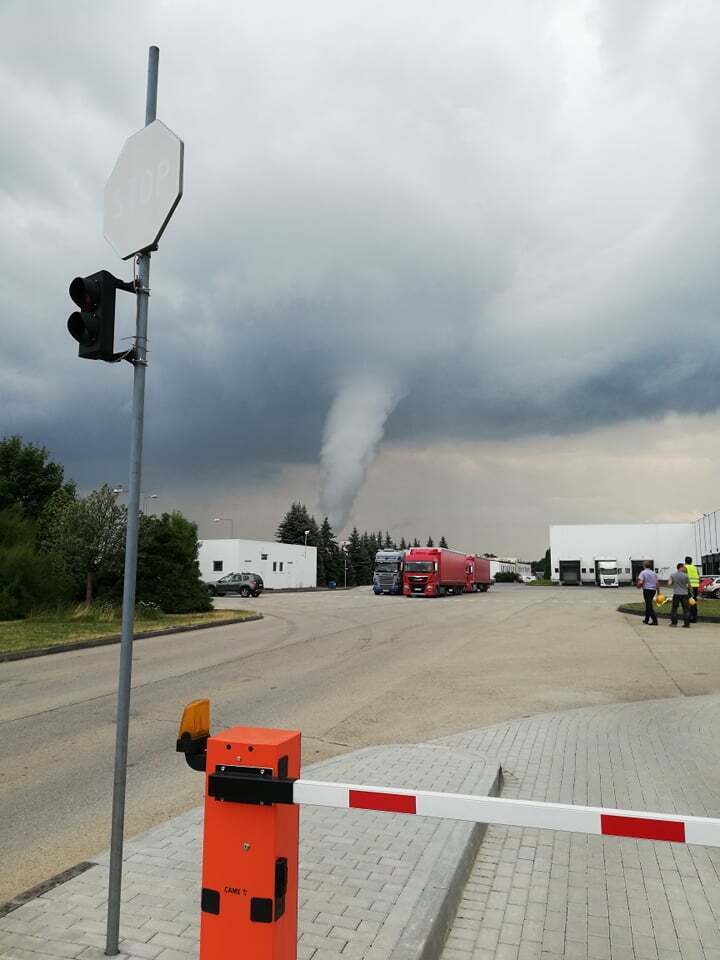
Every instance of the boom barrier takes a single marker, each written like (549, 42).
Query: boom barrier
(250, 842)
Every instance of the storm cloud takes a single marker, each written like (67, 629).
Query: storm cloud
(402, 224)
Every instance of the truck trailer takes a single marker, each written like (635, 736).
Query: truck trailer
(434, 572)
(388, 573)
(479, 577)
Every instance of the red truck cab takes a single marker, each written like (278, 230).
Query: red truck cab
(433, 572)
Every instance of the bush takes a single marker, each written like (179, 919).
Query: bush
(147, 610)
(168, 570)
(506, 577)
(29, 579)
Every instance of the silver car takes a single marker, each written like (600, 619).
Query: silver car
(246, 584)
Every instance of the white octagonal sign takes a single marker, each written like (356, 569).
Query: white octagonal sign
(143, 190)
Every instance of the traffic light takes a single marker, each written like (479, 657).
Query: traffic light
(93, 326)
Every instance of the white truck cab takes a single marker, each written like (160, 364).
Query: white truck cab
(607, 572)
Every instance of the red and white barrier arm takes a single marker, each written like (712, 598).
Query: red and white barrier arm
(704, 831)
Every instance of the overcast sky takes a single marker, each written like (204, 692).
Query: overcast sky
(445, 268)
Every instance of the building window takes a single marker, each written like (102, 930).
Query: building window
(263, 556)
(584, 570)
(274, 566)
(281, 567)
(217, 566)
(556, 570)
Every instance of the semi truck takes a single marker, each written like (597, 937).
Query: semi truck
(434, 572)
(479, 576)
(388, 573)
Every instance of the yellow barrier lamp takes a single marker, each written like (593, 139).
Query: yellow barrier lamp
(194, 732)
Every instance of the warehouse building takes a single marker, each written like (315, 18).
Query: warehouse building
(601, 552)
(282, 566)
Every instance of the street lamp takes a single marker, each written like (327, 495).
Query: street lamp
(306, 536)
(227, 520)
(343, 546)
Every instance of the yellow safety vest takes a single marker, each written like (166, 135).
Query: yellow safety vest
(693, 575)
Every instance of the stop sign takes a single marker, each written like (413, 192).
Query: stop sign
(143, 189)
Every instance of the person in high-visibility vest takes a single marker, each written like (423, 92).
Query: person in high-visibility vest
(694, 579)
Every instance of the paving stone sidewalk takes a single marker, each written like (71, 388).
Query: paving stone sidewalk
(538, 894)
(370, 883)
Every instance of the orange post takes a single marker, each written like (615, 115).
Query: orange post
(250, 846)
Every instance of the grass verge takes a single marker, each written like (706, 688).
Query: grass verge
(57, 630)
(541, 583)
(706, 609)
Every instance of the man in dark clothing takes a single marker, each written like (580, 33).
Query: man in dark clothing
(649, 583)
(693, 588)
(680, 586)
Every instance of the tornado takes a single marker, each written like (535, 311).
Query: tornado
(353, 431)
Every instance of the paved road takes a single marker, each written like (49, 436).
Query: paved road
(348, 669)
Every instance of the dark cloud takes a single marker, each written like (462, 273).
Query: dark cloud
(473, 222)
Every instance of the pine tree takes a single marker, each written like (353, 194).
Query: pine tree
(330, 561)
(430, 542)
(368, 549)
(416, 542)
(294, 524)
(443, 543)
(389, 542)
(547, 571)
(403, 545)
(292, 530)
(355, 556)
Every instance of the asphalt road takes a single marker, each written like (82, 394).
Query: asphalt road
(348, 669)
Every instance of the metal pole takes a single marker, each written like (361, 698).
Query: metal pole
(131, 548)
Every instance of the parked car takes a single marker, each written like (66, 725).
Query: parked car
(246, 584)
(710, 587)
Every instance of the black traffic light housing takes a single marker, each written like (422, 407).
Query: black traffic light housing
(93, 326)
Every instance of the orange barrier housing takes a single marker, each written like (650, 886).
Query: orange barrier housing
(250, 850)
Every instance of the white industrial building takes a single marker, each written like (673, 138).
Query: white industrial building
(281, 565)
(577, 551)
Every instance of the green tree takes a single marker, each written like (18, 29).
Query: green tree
(356, 556)
(330, 560)
(27, 475)
(430, 542)
(168, 569)
(403, 545)
(389, 543)
(294, 524)
(28, 578)
(416, 542)
(547, 571)
(86, 534)
(443, 543)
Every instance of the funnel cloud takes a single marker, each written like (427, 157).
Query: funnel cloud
(353, 431)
